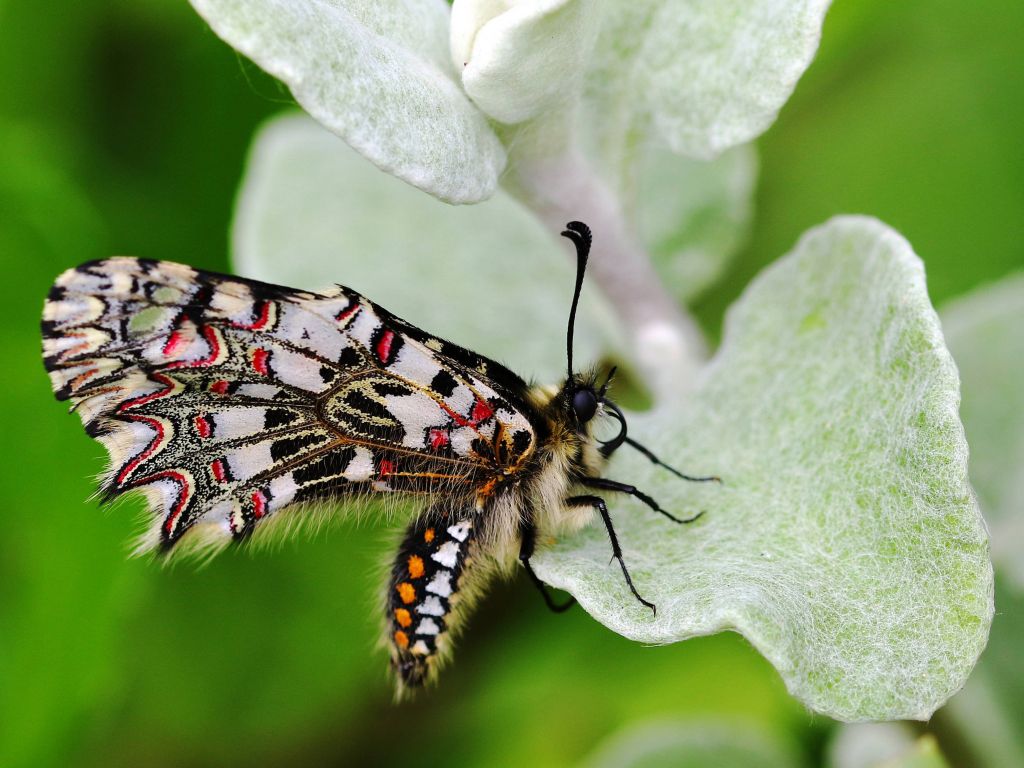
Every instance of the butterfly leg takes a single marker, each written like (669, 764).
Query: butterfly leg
(596, 502)
(645, 451)
(605, 484)
(528, 541)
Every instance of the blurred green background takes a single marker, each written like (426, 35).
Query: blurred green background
(124, 127)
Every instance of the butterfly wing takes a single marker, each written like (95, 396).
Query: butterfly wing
(227, 400)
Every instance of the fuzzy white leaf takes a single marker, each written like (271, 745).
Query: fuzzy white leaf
(520, 58)
(379, 75)
(694, 214)
(869, 745)
(845, 543)
(706, 74)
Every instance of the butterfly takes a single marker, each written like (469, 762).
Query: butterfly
(229, 402)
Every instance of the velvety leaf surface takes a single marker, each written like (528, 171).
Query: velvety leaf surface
(985, 331)
(693, 215)
(882, 745)
(706, 75)
(521, 59)
(845, 543)
(379, 75)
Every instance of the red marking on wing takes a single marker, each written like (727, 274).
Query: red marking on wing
(211, 338)
(203, 427)
(384, 345)
(180, 502)
(259, 361)
(143, 399)
(260, 322)
(348, 312)
(156, 424)
(481, 411)
(457, 418)
(386, 468)
(219, 472)
(259, 504)
(220, 387)
(176, 342)
(438, 438)
(150, 449)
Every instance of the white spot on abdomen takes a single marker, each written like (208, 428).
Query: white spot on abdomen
(460, 530)
(428, 627)
(447, 554)
(441, 584)
(420, 648)
(430, 607)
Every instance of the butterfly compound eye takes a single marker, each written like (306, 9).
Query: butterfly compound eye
(584, 405)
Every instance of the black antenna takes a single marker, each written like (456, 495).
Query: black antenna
(607, 382)
(579, 233)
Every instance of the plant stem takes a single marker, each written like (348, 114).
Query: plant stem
(556, 181)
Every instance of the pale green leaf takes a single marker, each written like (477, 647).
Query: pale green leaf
(520, 59)
(845, 543)
(694, 214)
(693, 744)
(379, 75)
(489, 277)
(985, 330)
(883, 745)
(706, 75)
(924, 754)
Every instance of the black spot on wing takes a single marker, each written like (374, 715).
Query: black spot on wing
(327, 467)
(520, 441)
(326, 374)
(366, 405)
(444, 383)
(96, 428)
(349, 358)
(386, 388)
(278, 417)
(292, 446)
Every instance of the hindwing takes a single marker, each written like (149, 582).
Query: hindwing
(226, 400)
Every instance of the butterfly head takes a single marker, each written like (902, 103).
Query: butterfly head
(583, 398)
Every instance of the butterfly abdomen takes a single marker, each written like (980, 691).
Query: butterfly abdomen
(427, 590)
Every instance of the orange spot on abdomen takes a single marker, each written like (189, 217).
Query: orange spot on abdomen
(415, 566)
(407, 592)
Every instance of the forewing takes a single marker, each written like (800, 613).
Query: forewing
(225, 400)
